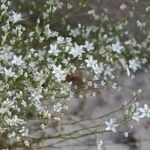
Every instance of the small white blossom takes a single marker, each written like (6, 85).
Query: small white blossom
(136, 116)
(17, 60)
(27, 143)
(69, 6)
(123, 6)
(60, 39)
(46, 114)
(14, 121)
(134, 64)
(126, 134)
(99, 143)
(36, 95)
(89, 46)
(54, 50)
(140, 24)
(57, 118)
(43, 126)
(24, 131)
(135, 112)
(98, 68)
(18, 138)
(145, 111)
(77, 50)
(9, 72)
(49, 33)
(117, 47)
(91, 62)
(15, 17)
(59, 73)
(111, 125)
(58, 107)
(90, 12)
(108, 71)
(11, 135)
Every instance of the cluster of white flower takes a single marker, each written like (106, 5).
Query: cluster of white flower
(139, 112)
(39, 61)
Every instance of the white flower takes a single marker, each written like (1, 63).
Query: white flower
(98, 68)
(99, 143)
(91, 12)
(60, 39)
(14, 121)
(89, 46)
(24, 131)
(123, 6)
(76, 51)
(57, 118)
(111, 125)
(7, 103)
(11, 135)
(126, 134)
(17, 60)
(36, 95)
(54, 50)
(58, 107)
(134, 64)
(135, 112)
(108, 71)
(9, 72)
(91, 62)
(117, 47)
(69, 6)
(26, 143)
(5, 107)
(114, 86)
(59, 73)
(43, 126)
(18, 138)
(145, 111)
(74, 32)
(24, 103)
(46, 114)
(136, 116)
(15, 17)
(48, 32)
(140, 24)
